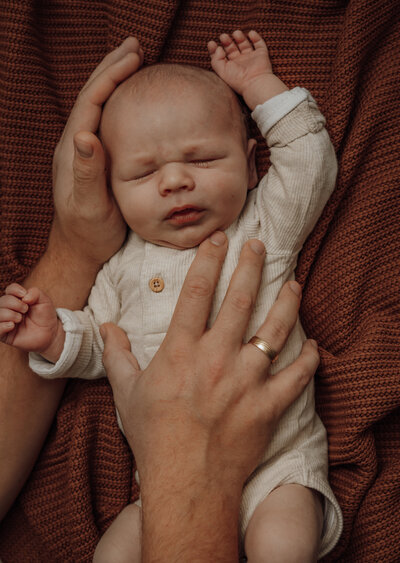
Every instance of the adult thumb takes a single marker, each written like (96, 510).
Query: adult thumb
(89, 169)
(119, 362)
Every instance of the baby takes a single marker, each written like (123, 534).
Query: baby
(181, 166)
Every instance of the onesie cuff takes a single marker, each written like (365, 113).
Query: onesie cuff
(266, 115)
(73, 339)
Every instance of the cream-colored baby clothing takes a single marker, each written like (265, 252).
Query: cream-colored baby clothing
(139, 287)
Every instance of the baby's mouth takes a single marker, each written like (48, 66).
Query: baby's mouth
(184, 215)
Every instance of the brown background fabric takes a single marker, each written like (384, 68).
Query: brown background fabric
(347, 54)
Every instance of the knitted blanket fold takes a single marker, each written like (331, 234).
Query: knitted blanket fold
(347, 55)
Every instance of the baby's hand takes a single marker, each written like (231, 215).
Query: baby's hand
(28, 321)
(244, 64)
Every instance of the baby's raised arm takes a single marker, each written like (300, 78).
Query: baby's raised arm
(244, 64)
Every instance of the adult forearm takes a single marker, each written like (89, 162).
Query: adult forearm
(27, 402)
(64, 274)
(87, 230)
(27, 407)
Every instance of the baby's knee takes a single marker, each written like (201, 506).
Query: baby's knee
(121, 542)
(278, 547)
(285, 527)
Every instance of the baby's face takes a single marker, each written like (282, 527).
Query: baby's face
(178, 168)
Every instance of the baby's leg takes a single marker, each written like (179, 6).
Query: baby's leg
(285, 527)
(121, 542)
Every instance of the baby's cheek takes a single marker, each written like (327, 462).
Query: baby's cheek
(231, 208)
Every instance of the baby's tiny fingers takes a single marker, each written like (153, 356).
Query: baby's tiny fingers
(219, 54)
(13, 303)
(15, 289)
(6, 327)
(257, 40)
(242, 42)
(32, 296)
(228, 44)
(212, 47)
(10, 316)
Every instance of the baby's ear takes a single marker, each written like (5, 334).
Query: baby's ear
(251, 164)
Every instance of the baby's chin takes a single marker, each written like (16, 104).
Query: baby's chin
(183, 242)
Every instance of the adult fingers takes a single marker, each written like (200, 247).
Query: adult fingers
(118, 360)
(279, 323)
(286, 386)
(241, 295)
(86, 112)
(194, 303)
(89, 171)
(129, 45)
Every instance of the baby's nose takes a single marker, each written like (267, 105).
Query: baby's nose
(175, 177)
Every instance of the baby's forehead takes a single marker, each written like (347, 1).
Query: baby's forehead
(158, 78)
(176, 81)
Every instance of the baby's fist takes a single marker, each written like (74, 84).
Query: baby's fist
(28, 319)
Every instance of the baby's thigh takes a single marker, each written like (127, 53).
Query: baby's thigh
(121, 542)
(286, 526)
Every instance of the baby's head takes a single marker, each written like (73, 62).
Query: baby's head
(180, 162)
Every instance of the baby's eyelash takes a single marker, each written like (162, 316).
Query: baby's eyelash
(201, 163)
(144, 175)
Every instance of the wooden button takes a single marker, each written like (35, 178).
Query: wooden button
(156, 284)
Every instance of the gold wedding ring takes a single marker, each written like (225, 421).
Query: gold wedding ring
(264, 347)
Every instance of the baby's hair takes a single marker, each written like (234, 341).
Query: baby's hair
(172, 76)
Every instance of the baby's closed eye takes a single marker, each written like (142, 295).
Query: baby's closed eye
(206, 161)
(202, 163)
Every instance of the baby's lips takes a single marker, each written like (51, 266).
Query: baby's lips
(182, 210)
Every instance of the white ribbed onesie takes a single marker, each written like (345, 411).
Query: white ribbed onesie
(281, 212)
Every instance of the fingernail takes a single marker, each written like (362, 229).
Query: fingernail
(295, 287)
(313, 343)
(84, 150)
(217, 238)
(257, 247)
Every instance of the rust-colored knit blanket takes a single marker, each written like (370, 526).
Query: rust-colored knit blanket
(347, 54)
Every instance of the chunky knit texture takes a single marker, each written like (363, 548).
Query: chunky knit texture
(347, 55)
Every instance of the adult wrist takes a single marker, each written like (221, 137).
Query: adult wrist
(211, 510)
(65, 274)
(60, 247)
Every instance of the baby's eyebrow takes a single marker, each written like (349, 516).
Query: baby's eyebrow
(131, 165)
(144, 161)
(140, 159)
(193, 149)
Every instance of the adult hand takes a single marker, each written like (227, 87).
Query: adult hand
(87, 219)
(199, 417)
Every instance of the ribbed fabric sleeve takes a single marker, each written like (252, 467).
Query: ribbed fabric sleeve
(73, 339)
(271, 111)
